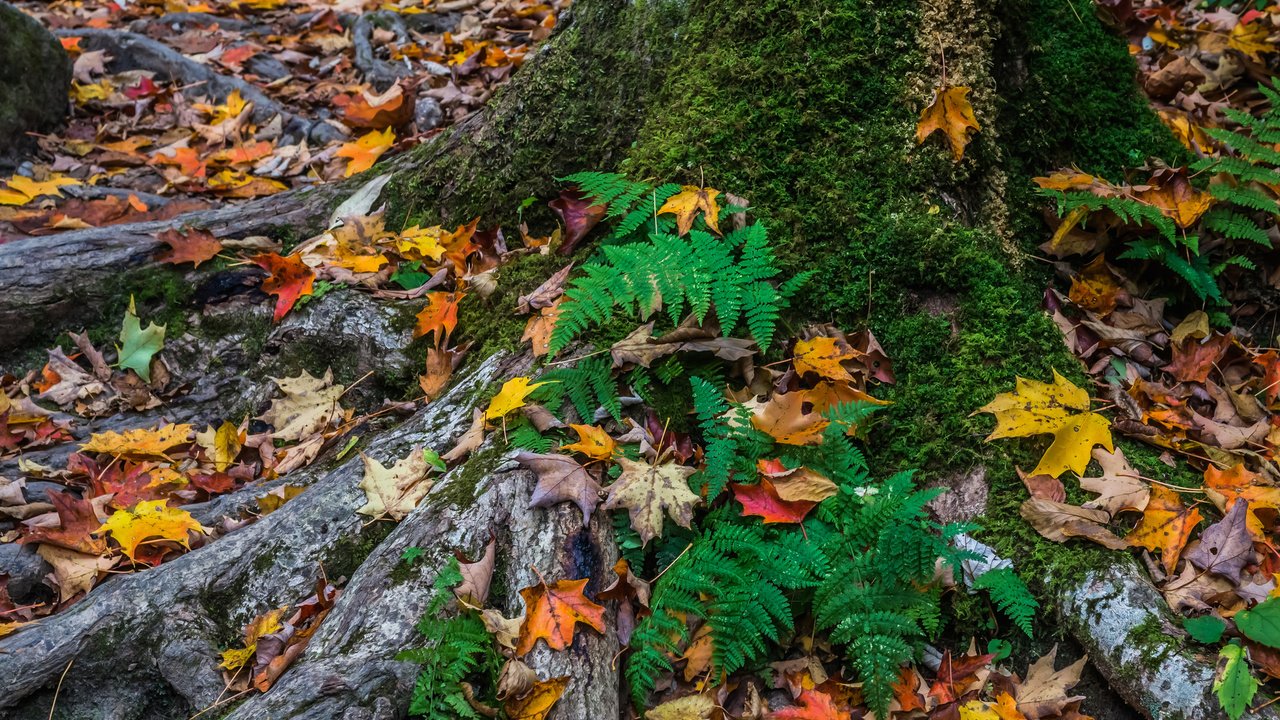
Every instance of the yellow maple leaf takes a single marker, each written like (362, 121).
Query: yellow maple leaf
(363, 153)
(222, 445)
(419, 243)
(1060, 409)
(394, 491)
(140, 442)
(686, 204)
(822, 356)
(510, 397)
(147, 520)
(593, 442)
(951, 113)
(22, 190)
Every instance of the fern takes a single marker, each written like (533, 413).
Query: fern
(525, 436)
(1010, 594)
(588, 385)
(460, 647)
(635, 202)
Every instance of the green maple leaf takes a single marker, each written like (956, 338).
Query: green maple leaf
(138, 346)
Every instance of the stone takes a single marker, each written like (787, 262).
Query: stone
(26, 570)
(35, 77)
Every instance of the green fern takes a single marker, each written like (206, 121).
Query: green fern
(587, 385)
(636, 203)
(459, 648)
(1010, 594)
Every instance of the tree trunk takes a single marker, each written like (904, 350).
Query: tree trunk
(35, 75)
(805, 108)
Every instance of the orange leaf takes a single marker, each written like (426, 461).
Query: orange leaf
(290, 279)
(193, 246)
(538, 701)
(791, 418)
(592, 442)
(552, 612)
(1224, 487)
(951, 113)
(811, 705)
(439, 370)
(1270, 363)
(440, 316)
(762, 499)
(956, 674)
(363, 153)
(1166, 526)
(1193, 359)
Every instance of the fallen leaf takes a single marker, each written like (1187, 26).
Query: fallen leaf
(1165, 527)
(537, 703)
(579, 215)
(309, 405)
(222, 445)
(139, 442)
(561, 479)
(1043, 693)
(956, 675)
(78, 520)
(289, 280)
(476, 577)
(510, 397)
(593, 442)
(951, 113)
(811, 705)
(149, 520)
(364, 152)
(762, 499)
(538, 330)
(264, 624)
(1060, 522)
(686, 204)
(1224, 487)
(1226, 546)
(649, 492)
(822, 356)
(74, 572)
(1035, 408)
(1193, 360)
(439, 317)
(1119, 488)
(193, 246)
(546, 294)
(137, 346)
(689, 707)
(553, 611)
(791, 418)
(394, 492)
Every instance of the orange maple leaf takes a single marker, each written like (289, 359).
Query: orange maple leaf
(1224, 487)
(440, 316)
(552, 612)
(363, 153)
(811, 705)
(791, 418)
(951, 113)
(1166, 526)
(290, 279)
(762, 499)
(193, 246)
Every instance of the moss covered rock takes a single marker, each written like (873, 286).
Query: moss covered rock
(35, 76)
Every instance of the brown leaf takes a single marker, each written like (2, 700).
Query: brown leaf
(1119, 488)
(545, 294)
(1044, 693)
(193, 246)
(1060, 522)
(561, 479)
(476, 577)
(1225, 547)
(579, 216)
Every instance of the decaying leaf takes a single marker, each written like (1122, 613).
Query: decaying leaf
(141, 442)
(309, 405)
(1166, 526)
(394, 492)
(1044, 692)
(561, 479)
(649, 492)
(1059, 522)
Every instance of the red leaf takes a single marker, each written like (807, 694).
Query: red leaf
(954, 675)
(578, 214)
(194, 246)
(78, 522)
(811, 705)
(290, 279)
(763, 500)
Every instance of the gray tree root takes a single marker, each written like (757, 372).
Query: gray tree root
(131, 51)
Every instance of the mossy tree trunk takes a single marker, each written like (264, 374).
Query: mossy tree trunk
(806, 108)
(35, 75)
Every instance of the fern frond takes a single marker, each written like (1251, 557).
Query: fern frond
(1010, 594)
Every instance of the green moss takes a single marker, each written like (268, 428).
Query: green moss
(463, 490)
(347, 553)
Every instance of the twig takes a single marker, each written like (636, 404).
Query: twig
(58, 689)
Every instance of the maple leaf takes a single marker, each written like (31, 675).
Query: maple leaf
(510, 397)
(289, 279)
(689, 707)
(309, 405)
(686, 204)
(1193, 360)
(1166, 526)
(222, 445)
(593, 442)
(147, 520)
(762, 499)
(579, 215)
(21, 190)
(440, 316)
(792, 418)
(1120, 488)
(955, 675)
(1044, 692)
(397, 490)
(536, 704)
(1035, 408)
(647, 491)
(74, 572)
(553, 611)
(951, 113)
(419, 243)
(539, 327)
(822, 356)
(1060, 522)
(561, 479)
(1226, 546)
(139, 442)
(1171, 192)
(364, 152)
(365, 110)
(440, 363)
(193, 246)
(138, 346)
(78, 519)
(798, 484)
(1224, 487)
(811, 705)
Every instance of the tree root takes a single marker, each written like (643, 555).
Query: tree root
(380, 72)
(131, 51)
(158, 633)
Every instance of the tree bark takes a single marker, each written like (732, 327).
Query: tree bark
(35, 76)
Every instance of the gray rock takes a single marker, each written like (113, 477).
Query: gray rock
(26, 570)
(35, 77)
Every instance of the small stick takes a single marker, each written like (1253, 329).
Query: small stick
(57, 690)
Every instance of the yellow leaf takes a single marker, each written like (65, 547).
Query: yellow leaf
(22, 190)
(1060, 409)
(951, 113)
(978, 710)
(510, 397)
(593, 442)
(363, 153)
(822, 356)
(221, 445)
(140, 442)
(263, 625)
(149, 519)
(418, 243)
(394, 491)
(1251, 39)
(686, 204)
(537, 703)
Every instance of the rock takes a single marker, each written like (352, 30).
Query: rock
(26, 570)
(965, 498)
(427, 114)
(35, 77)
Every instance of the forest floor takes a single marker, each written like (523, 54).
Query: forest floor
(726, 439)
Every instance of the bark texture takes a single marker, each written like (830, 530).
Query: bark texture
(35, 75)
